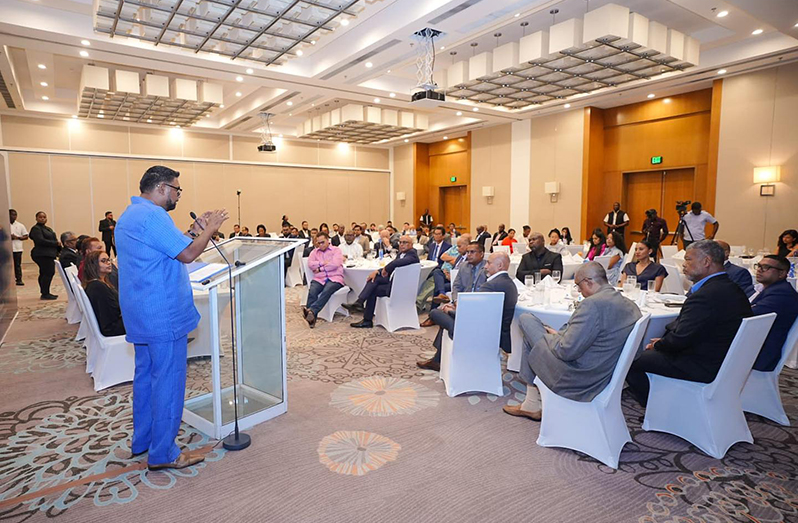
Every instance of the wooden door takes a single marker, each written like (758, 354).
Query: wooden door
(453, 206)
(656, 190)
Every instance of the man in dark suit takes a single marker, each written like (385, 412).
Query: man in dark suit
(435, 249)
(695, 344)
(304, 232)
(498, 281)
(482, 234)
(538, 259)
(107, 229)
(338, 239)
(236, 231)
(499, 235)
(737, 274)
(378, 284)
(777, 296)
(69, 254)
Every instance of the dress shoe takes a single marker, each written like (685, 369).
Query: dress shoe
(441, 298)
(429, 365)
(49, 297)
(362, 325)
(310, 318)
(516, 411)
(354, 307)
(428, 323)
(20, 283)
(305, 312)
(185, 459)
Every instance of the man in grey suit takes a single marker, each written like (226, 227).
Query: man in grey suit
(471, 275)
(497, 281)
(578, 361)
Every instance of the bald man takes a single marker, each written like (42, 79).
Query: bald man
(577, 361)
(378, 284)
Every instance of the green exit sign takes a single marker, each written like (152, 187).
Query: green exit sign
(453, 179)
(656, 160)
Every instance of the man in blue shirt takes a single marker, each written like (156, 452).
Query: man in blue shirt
(158, 307)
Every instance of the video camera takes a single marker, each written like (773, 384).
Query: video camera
(681, 206)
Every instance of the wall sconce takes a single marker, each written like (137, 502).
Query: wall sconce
(487, 192)
(400, 196)
(766, 176)
(553, 190)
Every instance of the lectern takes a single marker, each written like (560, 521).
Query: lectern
(258, 310)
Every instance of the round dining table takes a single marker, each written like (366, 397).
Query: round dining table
(356, 272)
(569, 266)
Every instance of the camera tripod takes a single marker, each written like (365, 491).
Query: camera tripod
(680, 230)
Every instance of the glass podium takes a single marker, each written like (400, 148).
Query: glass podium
(258, 313)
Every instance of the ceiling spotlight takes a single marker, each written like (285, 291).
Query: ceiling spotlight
(721, 71)
(476, 109)
(516, 15)
(101, 111)
(85, 42)
(757, 32)
(392, 95)
(666, 101)
(652, 95)
(388, 71)
(459, 113)
(289, 103)
(250, 71)
(567, 106)
(406, 140)
(376, 100)
(443, 48)
(45, 98)
(238, 94)
(722, 14)
(445, 137)
(369, 65)
(344, 22)
(313, 42)
(42, 66)
(207, 116)
(149, 120)
(43, 84)
(84, 54)
(299, 52)
(239, 78)
(221, 106)
(74, 116)
(100, 116)
(290, 114)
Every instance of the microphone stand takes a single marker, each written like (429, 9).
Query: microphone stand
(238, 196)
(237, 440)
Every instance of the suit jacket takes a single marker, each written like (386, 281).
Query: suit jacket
(105, 229)
(465, 279)
(304, 234)
(45, 243)
(531, 264)
(741, 277)
(69, 257)
(336, 240)
(503, 283)
(782, 299)
(500, 235)
(577, 362)
(710, 317)
(443, 248)
(481, 237)
(409, 257)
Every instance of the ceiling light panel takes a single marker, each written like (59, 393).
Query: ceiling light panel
(267, 31)
(610, 47)
(355, 123)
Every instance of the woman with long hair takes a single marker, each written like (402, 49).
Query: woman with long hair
(325, 229)
(565, 234)
(555, 242)
(598, 244)
(644, 268)
(262, 231)
(103, 297)
(788, 243)
(616, 249)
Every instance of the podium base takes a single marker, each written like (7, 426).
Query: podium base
(232, 442)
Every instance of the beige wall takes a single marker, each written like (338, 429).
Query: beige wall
(556, 156)
(755, 107)
(403, 182)
(490, 166)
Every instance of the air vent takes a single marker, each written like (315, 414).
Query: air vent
(451, 12)
(6, 95)
(237, 123)
(363, 58)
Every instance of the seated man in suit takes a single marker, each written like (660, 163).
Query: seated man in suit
(378, 284)
(482, 234)
(69, 254)
(776, 296)
(497, 281)
(577, 361)
(737, 274)
(436, 249)
(695, 344)
(538, 259)
(362, 239)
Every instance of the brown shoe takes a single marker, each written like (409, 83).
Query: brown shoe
(305, 312)
(428, 323)
(441, 298)
(310, 318)
(185, 459)
(429, 365)
(516, 411)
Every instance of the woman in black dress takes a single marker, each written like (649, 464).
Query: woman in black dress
(103, 296)
(45, 250)
(788, 243)
(644, 268)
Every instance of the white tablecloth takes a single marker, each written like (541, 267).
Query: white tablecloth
(355, 277)
(569, 266)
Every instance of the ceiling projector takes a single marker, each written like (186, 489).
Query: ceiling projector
(267, 147)
(427, 98)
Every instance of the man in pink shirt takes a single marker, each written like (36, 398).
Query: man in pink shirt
(326, 262)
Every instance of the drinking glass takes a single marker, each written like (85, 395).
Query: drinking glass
(574, 292)
(636, 290)
(529, 281)
(631, 280)
(538, 277)
(555, 275)
(652, 285)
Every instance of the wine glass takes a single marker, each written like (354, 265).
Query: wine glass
(555, 275)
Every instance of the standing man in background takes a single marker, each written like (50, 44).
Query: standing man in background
(616, 220)
(107, 229)
(655, 230)
(695, 223)
(426, 219)
(158, 306)
(18, 234)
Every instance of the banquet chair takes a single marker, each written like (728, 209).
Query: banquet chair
(710, 415)
(521, 247)
(71, 274)
(470, 362)
(73, 314)
(598, 427)
(761, 392)
(488, 242)
(673, 283)
(333, 305)
(399, 309)
(502, 248)
(294, 275)
(604, 261)
(629, 256)
(669, 250)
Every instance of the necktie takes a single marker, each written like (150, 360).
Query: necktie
(474, 275)
(457, 262)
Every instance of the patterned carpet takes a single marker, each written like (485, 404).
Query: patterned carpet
(367, 437)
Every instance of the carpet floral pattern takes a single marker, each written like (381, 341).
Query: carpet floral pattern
(356, 453)
(380, 396)
(59, 351)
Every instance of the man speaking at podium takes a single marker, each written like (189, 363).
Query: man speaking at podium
(158, 309)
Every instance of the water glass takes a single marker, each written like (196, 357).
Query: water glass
(652, 285)
(529, 281)
(555, 275)
(632, 280)
(538, 277)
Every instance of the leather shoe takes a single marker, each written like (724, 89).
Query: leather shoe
(428, 323)
(305, 312)
(362, 325)
(441, 298)
(310, 318)
(49, 297)
(516, 411)
(354, 307)
(20, 283)
(185, 459)
(429, 365)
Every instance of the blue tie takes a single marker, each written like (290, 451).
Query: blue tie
(474, 275)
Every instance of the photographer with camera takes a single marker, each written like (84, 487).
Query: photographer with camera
(694, 224)
(655, 229)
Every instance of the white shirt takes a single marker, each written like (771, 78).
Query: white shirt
(622, 216)
(500, 272)
(352, 251)
(17, 229)
(695, 225)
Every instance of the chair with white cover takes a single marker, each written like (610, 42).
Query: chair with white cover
(333, 305)
(399, 309)
(73, 314)
(761, 392)
(673, 284)
(521, 247)
(294, 275)
(604, 261)
(669, 250)
(737, 250)
(629, 256)
(488, 242)
(598, 427)
(114, 359)
(502, 248)
(710, 415)
(71, 274)
(471, 362)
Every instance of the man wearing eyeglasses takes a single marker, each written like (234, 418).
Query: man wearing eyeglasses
(777, 295)
(158, 309)
(577, 361)
(378, 284)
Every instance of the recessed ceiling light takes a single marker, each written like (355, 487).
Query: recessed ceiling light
(445, 137)
(666, 101)
(84, 54)
(207, 116)
(459, 113)
(721, 71)
(149, 120)
(369, 65)
(567, 106)
(238, 94)
(376, 100)
(388, 71)
(42, 66)
(313, 42)
(652, 95)
(299, 52)
(250, 71)
(722, 14)
(476, 109)
(313, 105)
(45, 98)
(443, 48)
(344, 22)
(406, 140)
(43, 84)
(221, 106)
(100, 116)
(74, 116)
(85, 42)
(757, 32)
(796, 25)
(289, 103)
(281, 135)
(239, 78)
(290, 114)
(516, 15)
(101, 111)
(392, 95)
